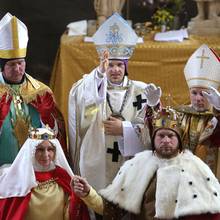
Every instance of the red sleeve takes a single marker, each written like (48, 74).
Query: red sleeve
(14, 208)
(78, 210)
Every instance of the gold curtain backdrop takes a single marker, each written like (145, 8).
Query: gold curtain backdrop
(161, 63)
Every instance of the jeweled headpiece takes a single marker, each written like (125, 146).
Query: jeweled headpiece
(41, 133)
(117, 37)
(166, 118)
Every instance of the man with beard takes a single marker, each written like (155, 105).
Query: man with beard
(167, 182)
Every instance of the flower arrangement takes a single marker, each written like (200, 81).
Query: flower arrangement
(162, 17)
(166, 12)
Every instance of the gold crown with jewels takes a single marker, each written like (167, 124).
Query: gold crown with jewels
(166, 118)
(41, 133)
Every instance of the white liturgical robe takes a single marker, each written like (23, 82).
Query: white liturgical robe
(92, 100)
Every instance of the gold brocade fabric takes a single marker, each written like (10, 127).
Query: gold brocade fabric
(161, 63)
(25, 92)
(196, 133)
(28, 90)
(21, 128)
(48, 202)
(193, 126)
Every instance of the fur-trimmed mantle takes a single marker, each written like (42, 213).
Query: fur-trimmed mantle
(185, 185)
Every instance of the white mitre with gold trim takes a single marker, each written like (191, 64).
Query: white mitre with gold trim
(116, 36)
(203, 68)
(13, 37)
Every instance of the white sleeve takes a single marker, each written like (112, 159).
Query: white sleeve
(72, 119)
(100, 81)
(95, 88)
(130, 143)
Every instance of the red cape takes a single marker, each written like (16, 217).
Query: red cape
(15, 208)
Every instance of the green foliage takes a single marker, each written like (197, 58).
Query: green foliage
(166, 11)
(175, 6)
(162, 17)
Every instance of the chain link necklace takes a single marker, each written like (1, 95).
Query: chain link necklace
(118, 114)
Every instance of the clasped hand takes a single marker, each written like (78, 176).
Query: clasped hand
(113, 126)
(80, 186)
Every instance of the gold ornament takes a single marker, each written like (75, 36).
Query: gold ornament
(21, 128)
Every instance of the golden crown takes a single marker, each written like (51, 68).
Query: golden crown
(166, 118)
(41, 133)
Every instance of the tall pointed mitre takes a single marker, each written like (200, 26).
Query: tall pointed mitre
(13, 37)
(203, 68)
(116, 36)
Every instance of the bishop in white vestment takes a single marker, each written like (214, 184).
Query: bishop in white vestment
(107, 109)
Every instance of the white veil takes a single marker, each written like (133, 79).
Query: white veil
(19, 178)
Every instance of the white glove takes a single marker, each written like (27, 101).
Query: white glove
(213, 97)
(153, 94)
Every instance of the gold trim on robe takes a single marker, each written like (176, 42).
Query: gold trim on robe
(28, 90)
(48, 201)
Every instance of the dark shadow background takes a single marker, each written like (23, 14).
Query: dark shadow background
(47, 19)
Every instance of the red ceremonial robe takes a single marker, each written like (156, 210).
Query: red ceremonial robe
(15, 208)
